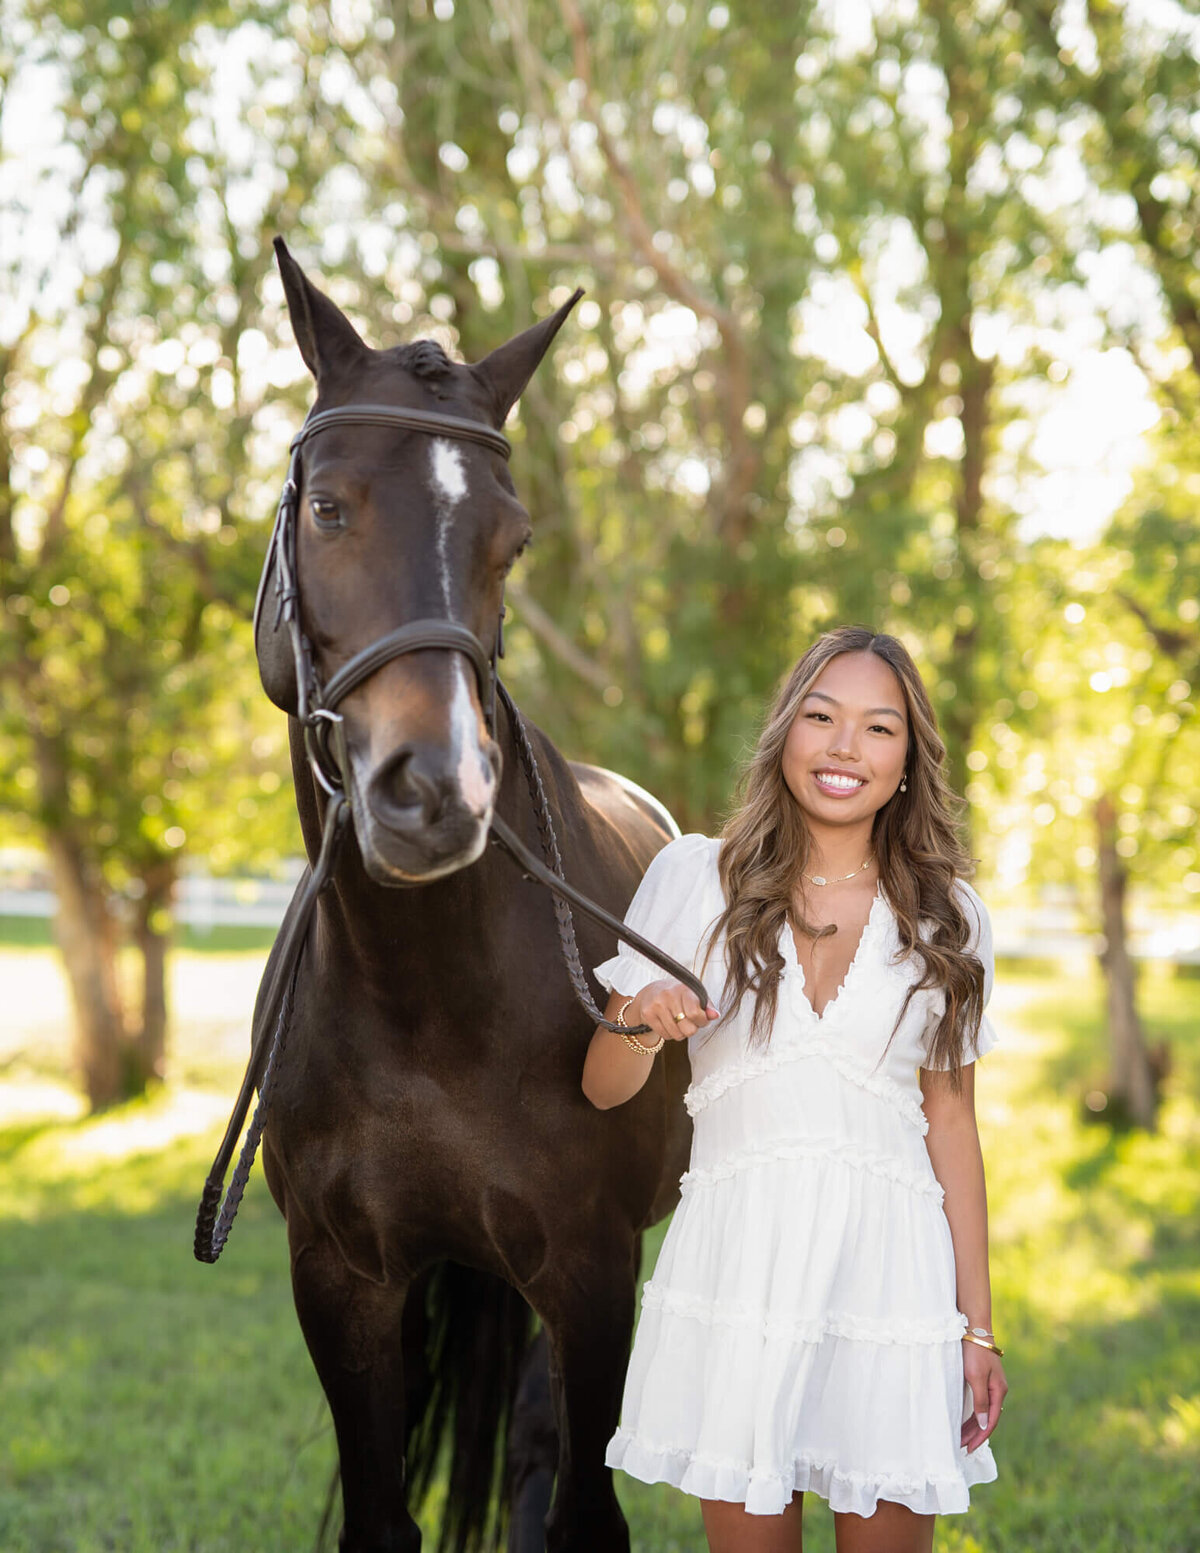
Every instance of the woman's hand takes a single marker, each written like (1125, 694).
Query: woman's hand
(670, 1009)
(984, 1375)
(618, 1063)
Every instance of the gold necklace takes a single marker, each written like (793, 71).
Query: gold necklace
(818, 879)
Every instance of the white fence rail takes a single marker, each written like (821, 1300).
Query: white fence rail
(1048, 930)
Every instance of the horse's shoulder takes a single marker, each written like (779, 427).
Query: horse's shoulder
(622, 801)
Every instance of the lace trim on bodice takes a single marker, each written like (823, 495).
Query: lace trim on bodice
(782, 1052)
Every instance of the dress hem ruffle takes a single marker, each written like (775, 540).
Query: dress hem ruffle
(764, 1492)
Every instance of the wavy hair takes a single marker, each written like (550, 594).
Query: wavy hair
(915, 838)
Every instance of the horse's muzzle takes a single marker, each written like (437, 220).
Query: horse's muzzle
(417, 819)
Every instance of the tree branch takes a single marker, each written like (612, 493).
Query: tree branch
(741, 464)
(1179, 646)
(556, 639)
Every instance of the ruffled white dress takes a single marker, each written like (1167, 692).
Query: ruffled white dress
(801, 1329)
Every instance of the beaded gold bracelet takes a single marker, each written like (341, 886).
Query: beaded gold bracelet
(631, 1040)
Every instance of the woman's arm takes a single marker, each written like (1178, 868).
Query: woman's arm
(613, 1071)
(953, 1144)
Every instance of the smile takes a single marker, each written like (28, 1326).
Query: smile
(835, 782)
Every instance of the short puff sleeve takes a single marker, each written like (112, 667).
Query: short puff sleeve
(676, 903)
(979, 942)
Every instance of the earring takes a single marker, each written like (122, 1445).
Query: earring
(904, 783)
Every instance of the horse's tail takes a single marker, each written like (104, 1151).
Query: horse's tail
(478, 1328)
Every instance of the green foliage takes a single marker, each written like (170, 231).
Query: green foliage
(715, 474)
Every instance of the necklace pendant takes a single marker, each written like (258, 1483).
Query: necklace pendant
(816, 879)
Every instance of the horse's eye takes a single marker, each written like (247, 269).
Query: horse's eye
(326, 514)
(517, 554)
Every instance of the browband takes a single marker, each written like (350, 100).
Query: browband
(428, 421)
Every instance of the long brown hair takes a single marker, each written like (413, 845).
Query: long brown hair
(915, 838)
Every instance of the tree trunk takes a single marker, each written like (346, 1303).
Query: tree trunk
(1132, 1082)
(148, 1054)
(85, 935)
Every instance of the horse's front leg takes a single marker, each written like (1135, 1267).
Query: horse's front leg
(354, 1331)
(588, 1313)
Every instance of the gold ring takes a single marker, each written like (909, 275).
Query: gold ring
(679, 1018)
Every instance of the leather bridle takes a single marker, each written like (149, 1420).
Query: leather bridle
(325, 745)
(316, 705)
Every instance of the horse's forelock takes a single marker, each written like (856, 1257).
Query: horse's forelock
(423, 358)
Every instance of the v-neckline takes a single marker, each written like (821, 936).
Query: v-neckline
(789, 943)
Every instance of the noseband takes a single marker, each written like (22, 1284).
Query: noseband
(323, 726)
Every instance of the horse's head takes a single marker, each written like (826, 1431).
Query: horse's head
(394, 526)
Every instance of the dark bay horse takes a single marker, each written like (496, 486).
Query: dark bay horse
(439, 1170)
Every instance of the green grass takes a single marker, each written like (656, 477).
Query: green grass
(150, 1404)
(38, 933)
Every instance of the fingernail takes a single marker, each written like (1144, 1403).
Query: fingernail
(981, 1420)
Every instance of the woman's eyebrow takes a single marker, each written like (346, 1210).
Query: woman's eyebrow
(874, 711)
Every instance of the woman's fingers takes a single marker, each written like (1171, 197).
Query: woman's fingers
(997, 1390)
(674, 1011)
(988, 1388)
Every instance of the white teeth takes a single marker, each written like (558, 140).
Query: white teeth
(831, 780)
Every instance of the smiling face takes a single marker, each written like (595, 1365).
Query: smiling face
(845, 751)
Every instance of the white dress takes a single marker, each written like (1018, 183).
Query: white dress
(801, 1329)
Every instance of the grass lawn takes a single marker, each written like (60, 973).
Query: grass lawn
(150, 1404)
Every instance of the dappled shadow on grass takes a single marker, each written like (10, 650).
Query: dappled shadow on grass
(1097, 1298)
(1094, 1451)
(150, 1403)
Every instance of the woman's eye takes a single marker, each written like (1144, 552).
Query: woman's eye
(326, 514)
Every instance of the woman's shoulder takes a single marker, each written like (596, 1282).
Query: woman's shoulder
(685, 857)
(971, 905)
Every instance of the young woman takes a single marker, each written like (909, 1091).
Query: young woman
(820, 1316)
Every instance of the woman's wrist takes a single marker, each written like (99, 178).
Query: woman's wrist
(628, 1014)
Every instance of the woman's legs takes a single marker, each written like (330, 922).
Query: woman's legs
(730, 1530)
(892, 1529)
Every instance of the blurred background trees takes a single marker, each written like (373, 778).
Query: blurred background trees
(851, 271)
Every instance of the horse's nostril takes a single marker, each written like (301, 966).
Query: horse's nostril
(406, 793)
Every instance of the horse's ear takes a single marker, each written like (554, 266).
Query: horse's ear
(507, 370)
(326, 337)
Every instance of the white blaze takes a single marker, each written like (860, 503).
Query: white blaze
(448, 473)
(476, 780)
(449, 488)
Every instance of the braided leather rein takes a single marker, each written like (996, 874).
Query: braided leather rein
(325, 745)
